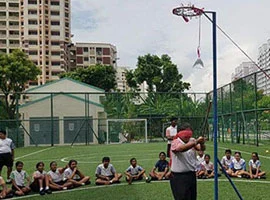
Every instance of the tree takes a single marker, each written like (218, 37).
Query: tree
(15, 71)
(102, 76)
(159, 72)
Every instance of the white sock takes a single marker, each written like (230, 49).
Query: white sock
(47, 187)
(41, 189)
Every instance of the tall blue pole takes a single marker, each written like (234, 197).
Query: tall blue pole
(215, 102)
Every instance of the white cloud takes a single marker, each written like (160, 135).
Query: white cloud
(140, 27)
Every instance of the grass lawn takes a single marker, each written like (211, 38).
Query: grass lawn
(147, 154)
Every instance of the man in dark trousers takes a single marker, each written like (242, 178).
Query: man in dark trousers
(170, 133)
(183, 163)
(6, 153)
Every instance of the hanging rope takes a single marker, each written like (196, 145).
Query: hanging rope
(199, 45)
(226, 35)
(199, 63)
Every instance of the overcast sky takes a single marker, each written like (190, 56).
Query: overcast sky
(138, 27)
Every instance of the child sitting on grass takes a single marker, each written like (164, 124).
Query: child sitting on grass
(74, 175)
(238, 166)
(57, 181)
(40, 180)
(255, 167)
(5, 193)
(208, 167)
(18, 178)
(135, 172)
(162, 167)
(106, 173)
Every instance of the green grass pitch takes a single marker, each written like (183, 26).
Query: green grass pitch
(147, 154)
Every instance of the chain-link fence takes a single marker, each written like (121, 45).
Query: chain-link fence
(244, 110)
(59, 118)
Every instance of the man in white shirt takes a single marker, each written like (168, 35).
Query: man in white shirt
(184, 163)
(171, 131)
(6, 153)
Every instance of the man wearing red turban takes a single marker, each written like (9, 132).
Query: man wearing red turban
(183, 163)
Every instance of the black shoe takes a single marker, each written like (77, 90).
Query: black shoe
(9, 195)
(87, 182)
(8, 181)
(48, 191)
(42, 192)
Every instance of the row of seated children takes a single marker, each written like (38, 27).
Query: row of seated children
(70, 176)
(235, 166)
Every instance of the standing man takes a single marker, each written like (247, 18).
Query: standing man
(6, 153)
(171, 131)
(184, 163)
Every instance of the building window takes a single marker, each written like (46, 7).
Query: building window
(86, 59)
(85, 49)
(99, 51)
(55, 13)
(2, 4)
(57, 33)
(33, 53)
(55, 63)
(55, 3)
(33, 42)
(14, 23)
(32, 12)
(55, 53)
(32, 22)
(106, 51)
(55, 43)
(13, 5)
(55, 23)
(34, 2)
(32, 32)
(79, 50)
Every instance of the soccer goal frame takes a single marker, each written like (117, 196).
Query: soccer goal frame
(126, 120)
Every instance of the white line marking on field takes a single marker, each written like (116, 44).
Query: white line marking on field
(36, 152)
(245, 152)
(66, 159)
(138, 183)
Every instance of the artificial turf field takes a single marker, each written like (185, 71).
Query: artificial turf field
(147, 155)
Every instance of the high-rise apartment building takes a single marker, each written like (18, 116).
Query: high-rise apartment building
(263, 81)
(9, 25)
(121, 80)
(45, 35)
(244, 69)
(93, 53)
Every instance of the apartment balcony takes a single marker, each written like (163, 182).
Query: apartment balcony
(16, 27)
(14, 17)
(3, 45)
(3, 17)
(14, 8)
(3, 35)
(14, 36)
(16, 45)
(2, 8)
(3, 26)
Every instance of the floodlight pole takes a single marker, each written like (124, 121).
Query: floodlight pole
(215, 125)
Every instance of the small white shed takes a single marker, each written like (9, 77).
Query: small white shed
(68, 115)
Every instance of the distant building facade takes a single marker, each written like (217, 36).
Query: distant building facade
(263, 81)
(9, 25)
(121, 80)
(86, 54)
(244, 69)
